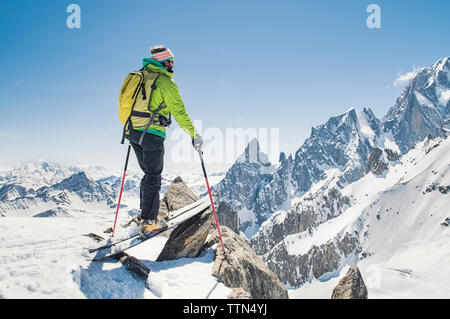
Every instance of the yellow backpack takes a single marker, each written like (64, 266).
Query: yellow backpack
(134, 103)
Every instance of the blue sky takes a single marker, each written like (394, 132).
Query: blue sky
(262, 64)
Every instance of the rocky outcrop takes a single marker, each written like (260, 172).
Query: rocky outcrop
(392, 155)
(378, 160)
(239, 293)
(304, 216)
(444, 131)
(375, 163)
(133, 265)
(228, 217)
(242, 268)
(178, 195)
(317, 262)
(351, 286)
(188, 238)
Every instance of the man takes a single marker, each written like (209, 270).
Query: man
(150, 152)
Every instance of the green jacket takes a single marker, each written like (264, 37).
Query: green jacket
(167, 91)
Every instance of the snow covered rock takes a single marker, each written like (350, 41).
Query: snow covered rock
(351, 286)
(242, 268)
(375, 163)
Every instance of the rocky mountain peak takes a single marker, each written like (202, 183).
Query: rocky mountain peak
(253, 154)
(422, 107)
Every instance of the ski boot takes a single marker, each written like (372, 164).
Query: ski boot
(150, 226)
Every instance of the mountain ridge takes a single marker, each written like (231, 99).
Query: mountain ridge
(343, 143)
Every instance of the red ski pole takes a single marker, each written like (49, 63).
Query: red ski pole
(212, 203)
(121, 188)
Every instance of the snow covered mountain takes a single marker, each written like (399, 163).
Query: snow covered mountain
(422, 107)
(384, 221)
(243, 183)
(36, 174)
(309, 215)
(45, 189)
(343, 145)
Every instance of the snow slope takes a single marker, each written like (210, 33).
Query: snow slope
(43, 258)
(400, 220)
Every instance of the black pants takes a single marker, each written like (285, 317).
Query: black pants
(150, 156)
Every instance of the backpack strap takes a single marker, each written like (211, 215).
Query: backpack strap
(152, 118)
(161, 106)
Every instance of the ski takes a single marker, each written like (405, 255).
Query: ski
(172, 215)
(136, 240)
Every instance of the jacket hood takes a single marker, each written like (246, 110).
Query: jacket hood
(155, 66)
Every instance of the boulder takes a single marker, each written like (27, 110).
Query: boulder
(228, 217)
(178, 195)
(239, 293)
(351, 286)
(188, 238)
(242, 268)
(133, 265)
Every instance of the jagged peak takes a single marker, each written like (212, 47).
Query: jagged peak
(351, 118)
(252, 154)
(77, 178)
(350, 110)
(441, 64)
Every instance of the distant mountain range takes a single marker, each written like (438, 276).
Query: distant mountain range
(48, 189)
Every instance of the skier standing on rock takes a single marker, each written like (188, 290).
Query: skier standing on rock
(154, 100)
